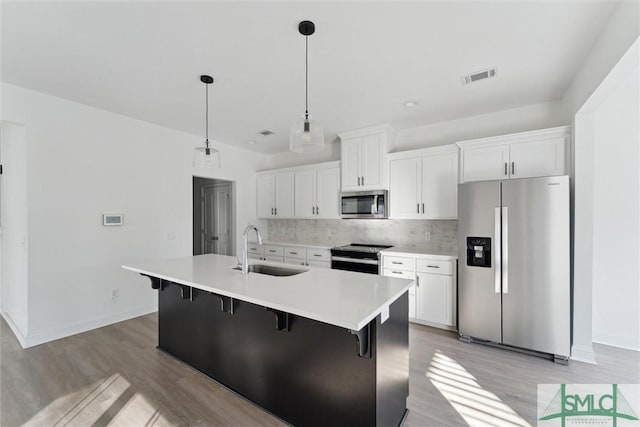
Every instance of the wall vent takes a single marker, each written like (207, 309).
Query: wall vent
(265, 132)
(478, 75)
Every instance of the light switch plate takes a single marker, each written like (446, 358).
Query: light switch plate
(112, 219)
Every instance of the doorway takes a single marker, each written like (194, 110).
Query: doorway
(213, 216)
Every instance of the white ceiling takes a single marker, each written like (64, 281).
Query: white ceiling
(144, 59)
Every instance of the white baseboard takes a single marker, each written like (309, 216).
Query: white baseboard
(614, 341)
(583, 354)
(14, 328)
(45, 336)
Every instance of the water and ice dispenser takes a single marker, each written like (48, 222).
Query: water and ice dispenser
(479, 251)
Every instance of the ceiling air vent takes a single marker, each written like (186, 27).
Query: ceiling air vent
(265, 132)
(478, 75)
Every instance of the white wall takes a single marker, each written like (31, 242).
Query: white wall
(14, 237)
(616, 216)
(616, 38)
(521, 119)
(83, 162)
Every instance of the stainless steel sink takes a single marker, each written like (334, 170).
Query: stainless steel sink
(272, 270)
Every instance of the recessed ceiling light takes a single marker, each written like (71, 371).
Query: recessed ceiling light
(251, 142)
(411, 103)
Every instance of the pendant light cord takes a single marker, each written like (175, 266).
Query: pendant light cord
(306, 77)
(207, 115)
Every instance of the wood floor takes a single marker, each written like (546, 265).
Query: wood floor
(116, 376)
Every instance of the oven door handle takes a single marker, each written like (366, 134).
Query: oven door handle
(355, 260)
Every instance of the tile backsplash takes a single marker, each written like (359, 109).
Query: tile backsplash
(434, 234)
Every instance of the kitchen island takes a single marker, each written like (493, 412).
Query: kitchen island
(318, 348)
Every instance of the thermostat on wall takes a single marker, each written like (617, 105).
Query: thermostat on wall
(112, 219)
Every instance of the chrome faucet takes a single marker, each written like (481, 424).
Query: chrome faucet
(245, 256)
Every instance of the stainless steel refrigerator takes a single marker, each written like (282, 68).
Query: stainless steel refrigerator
(514, 283)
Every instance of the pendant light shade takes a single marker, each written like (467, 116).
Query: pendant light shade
(206, 157)
(307, 136)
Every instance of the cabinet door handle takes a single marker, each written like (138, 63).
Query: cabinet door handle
(359, 181)
(397, 262)
(418, 204)
(506, 168)
(433, 266)
(313, 210)
(423, 208)
(513, 168)
(418, 281)
(396, 272)
(293, 253)
(272, 250)
(317, 255)
(317, 210)
(276, 210)
(363, 180)
(271, 211)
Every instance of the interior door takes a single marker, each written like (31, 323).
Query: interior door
(328, 193)
(404, 187)
(479, 298)
(371, 161)
(535, 286)
(216, 216)
(305, 194)
(222, 218)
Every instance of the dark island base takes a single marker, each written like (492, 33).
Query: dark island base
(306, 372)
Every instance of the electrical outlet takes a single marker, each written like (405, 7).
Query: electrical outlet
(115, 294)
(427, 235)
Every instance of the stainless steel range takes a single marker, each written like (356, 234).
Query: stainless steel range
(360, 257)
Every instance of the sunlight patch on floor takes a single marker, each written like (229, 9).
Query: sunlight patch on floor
(477, 406)
(111, 401)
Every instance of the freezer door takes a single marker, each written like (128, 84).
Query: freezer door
(479, 285)
(536, 292)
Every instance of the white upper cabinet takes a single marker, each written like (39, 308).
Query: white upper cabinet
(328, 193)
(423, 184)
(266, 193)
(308, 192)
(538, 158)
(317, 192)
(485, 163)
(284, 195)
(364, 158)
(520, 155)
(274, 195)
(404, 188)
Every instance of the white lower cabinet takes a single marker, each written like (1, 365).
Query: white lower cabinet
(296, 255)
(432, 300)
(320, 264)
(273, 258)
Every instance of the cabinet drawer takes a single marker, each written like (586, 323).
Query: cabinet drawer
(318, 255)
(273, 250)
(391, 272)
(273, 258)
(435, 267)
(399, 263)
(254, 256)
(254, 248)
(293, 252)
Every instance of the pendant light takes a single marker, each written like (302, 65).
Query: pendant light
(307, 135)
(206, 157)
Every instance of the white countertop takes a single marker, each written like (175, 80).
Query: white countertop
(341, 298)
(420, 252)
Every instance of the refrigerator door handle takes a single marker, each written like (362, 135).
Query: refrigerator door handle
(497, 246)
(505, 250)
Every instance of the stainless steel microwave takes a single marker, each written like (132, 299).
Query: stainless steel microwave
(365, 205)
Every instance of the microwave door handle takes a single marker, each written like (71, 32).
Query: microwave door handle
(374, 208)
